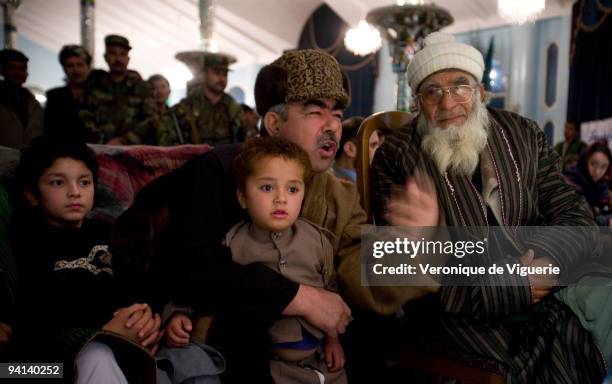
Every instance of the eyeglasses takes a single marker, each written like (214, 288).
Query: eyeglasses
(459, 94)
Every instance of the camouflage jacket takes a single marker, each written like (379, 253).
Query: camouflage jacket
(196, 120)
(123, 110)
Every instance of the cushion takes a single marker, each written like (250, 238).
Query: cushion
(124, 170)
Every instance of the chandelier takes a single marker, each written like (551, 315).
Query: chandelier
(520, 11)
(363, 39)
(404, 26)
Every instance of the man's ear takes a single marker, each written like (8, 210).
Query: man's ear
(272, 122)
(417, 105)
(32, 199)
(481, 91)
(350, 149)
(241, 198)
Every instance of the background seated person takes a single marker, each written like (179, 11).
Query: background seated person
(571, 148)
(590, 177)
(344, 165)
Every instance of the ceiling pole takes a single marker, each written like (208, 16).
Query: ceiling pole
(87, 25)
(10, 29)
(207, 24)
(194, 60)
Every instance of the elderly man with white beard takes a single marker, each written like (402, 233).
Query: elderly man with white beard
(460, 163)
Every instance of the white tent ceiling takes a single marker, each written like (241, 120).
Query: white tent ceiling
(255, 31)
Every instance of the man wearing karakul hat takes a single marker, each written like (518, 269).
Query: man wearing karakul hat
(301, 97)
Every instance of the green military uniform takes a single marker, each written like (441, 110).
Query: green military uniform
(124, 110)
(195, 119)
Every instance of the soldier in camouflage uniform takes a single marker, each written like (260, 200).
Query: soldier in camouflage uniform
(118, 106)
(208, 114)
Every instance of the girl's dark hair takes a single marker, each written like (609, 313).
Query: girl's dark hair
(43, 151)
(600, 145)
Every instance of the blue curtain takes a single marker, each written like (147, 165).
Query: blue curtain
(590, 83)
(325, 31)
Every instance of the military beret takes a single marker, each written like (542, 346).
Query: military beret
(8, 54)
(299, 76)
(218, 60)
(74, 50)
(117, 40)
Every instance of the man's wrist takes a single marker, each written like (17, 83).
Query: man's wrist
(297, 305)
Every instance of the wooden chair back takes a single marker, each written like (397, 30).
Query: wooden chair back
(380, 120)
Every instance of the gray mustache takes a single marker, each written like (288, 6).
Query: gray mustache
(328, 137)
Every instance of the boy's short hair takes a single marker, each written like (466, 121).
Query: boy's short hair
(350, 128)
(259, 147)
(43, 151)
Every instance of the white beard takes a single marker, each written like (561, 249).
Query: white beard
(456, 149)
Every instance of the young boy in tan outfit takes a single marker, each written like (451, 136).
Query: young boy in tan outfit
(271, 174)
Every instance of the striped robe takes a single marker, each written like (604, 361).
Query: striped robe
(543, 343)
